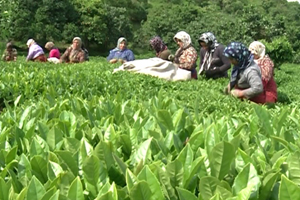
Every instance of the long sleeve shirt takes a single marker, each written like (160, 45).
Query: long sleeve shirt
(73, 56)
(250, 81)
(219, 60)
(188, 58)
(34, 51)
(125, 54)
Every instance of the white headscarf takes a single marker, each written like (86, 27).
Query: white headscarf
(29, 42)
(258, 48)
(79, 41)
(184, 37)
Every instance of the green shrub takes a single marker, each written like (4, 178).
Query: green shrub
(296, 58)
(279, 50)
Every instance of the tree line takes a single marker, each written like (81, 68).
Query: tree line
(101, 22)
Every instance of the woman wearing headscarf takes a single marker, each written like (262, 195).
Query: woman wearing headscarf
(245, 79)
(267, 71)
(213, 63)
(186, 56)
(35, 52)
(74, 54)
(120, 53)
(160, 48)
(10, 53)
(54, 52)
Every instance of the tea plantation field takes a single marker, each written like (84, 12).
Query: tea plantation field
(81, 132)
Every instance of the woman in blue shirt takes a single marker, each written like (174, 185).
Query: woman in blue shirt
(120, 53)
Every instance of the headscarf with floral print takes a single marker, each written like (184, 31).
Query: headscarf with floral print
(258, 48)
(241, 53)
(184, 37)
(264, 62)
(187, 42)
(158, 45)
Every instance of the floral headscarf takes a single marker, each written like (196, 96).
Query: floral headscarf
(258, 48)
(244, 57)
(264, 62)
(184, 37)
(158, 45)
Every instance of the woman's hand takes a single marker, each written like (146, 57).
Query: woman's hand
(237, 93)
(227, 89)
(122, 61)
(113, 60)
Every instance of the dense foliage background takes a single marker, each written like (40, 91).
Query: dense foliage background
(101, 22)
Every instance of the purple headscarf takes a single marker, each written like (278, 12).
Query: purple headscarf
(158, 45)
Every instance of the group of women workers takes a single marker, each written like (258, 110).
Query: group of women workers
(75, 53)
(252, 75)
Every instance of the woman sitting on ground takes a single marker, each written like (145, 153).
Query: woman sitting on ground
(213, 63)
(120, 53)
(160, 48)
(54, 52)
(74, 54)
(186, 56)
(10, 53)
(35, 52)
(267, 72)
(245, 79)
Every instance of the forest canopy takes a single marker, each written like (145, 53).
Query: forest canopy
(102, 22)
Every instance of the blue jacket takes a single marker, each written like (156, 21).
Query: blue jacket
(125, 54)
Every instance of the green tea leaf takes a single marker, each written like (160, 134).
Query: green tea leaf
(207, 186)
(220, 159)
(293, 162)
(248, 176)
(147, 175)
(288, 190)
(35, 189)
(67, 158)
(4, 194)
(142, 152)
(141, 191)
(185, 194)
(76, 190)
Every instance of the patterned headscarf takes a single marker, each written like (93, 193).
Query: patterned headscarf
(258, 48)
(184, 37)
(264, 62)
(210, 39)
(241, 53)
(9, 45)
(158, 45)
(79, 41)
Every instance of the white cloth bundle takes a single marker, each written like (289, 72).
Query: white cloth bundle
(156, 67)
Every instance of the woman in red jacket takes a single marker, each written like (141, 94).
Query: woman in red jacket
(267, 72)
